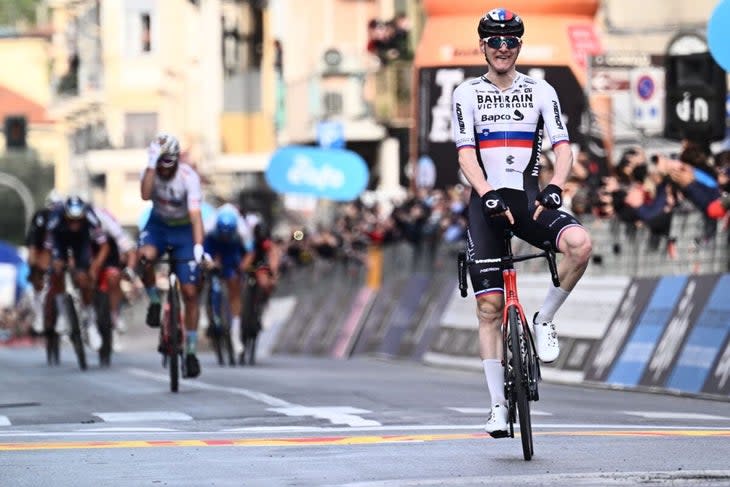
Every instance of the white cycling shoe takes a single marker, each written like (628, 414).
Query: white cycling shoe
(497, 423)
(546, 340)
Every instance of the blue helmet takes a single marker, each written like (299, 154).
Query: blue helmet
(226, 223)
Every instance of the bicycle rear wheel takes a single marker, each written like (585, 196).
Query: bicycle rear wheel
(173, 336)
(519, 350)
(76, 340)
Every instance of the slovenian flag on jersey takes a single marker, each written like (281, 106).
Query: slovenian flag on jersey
(506, 139)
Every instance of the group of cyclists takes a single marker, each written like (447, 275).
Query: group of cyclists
(72, 235)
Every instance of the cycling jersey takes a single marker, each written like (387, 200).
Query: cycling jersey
(61, 238)
(505, 126)
(119, 240)
(172, 199)
(37, 230)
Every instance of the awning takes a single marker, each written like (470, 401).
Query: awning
(549, 40)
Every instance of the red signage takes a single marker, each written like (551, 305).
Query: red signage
(584, 42)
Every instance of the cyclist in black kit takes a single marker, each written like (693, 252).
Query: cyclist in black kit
(498, 122)
(39, 257)
(72, 230)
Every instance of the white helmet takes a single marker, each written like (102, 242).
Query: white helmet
(169, 146)
(53, 198)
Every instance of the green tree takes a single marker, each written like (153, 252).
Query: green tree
(37, 177)
(12, 11)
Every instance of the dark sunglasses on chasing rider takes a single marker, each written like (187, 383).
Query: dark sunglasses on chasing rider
(168, 160)
(495, 42)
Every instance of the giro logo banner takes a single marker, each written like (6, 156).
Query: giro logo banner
(334, 174)
(693, 299)
(719, 381)
(644, 337)
(622, 324)
(704, 344)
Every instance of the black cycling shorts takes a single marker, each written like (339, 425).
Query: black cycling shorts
(485, 235)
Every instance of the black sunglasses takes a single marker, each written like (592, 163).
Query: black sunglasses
(495, 42)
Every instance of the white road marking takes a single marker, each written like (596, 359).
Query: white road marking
(334, 414)
(130, 429)
(486, 411)
(256, 396)
(670, 415)
(4, 421)
(131, 416)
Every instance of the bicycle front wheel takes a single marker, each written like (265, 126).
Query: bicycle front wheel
(519, 350)
(76, 340)
(173, 336)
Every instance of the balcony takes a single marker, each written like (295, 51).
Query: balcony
(393, 86)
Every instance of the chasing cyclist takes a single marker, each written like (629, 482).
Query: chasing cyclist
(498, 120)
(116, 266)
(39, 256)
(228, 239)
(75, 231)
(264, 260)
(174, 222)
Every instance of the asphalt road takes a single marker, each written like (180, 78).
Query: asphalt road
(309, 421)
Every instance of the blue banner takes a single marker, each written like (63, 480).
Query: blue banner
(704, 342)
(333, 174)
(642, 341)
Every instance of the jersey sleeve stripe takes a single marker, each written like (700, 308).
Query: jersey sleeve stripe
(564, 141)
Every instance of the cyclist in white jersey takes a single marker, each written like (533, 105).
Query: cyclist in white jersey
(498, 120)
(175, 221)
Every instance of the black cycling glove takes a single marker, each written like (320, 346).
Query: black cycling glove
(493, 204)
(551, 197)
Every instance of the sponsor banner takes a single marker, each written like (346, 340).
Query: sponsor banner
(631, 306)
(406, 314)
(276, 317)
(328, 317)
(636, 353)
(456, 342)
(436, 86)
(334, 174)
(719, 381)
(384, 301)
(428, 328)
(576, 354)
(693, 299)
(8, 283)
(705, 341)
(351, 326)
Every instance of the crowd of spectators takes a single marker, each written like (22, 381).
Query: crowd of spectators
(390, 40)
(640, 191)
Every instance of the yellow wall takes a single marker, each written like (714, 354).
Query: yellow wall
(26, 67)
(244, 133)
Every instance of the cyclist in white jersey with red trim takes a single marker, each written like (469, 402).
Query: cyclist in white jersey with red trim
(498, 122)
(175, 221)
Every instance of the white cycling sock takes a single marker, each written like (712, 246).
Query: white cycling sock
(61, 304)
(555, 298)
(494, 373)
(236, 327)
